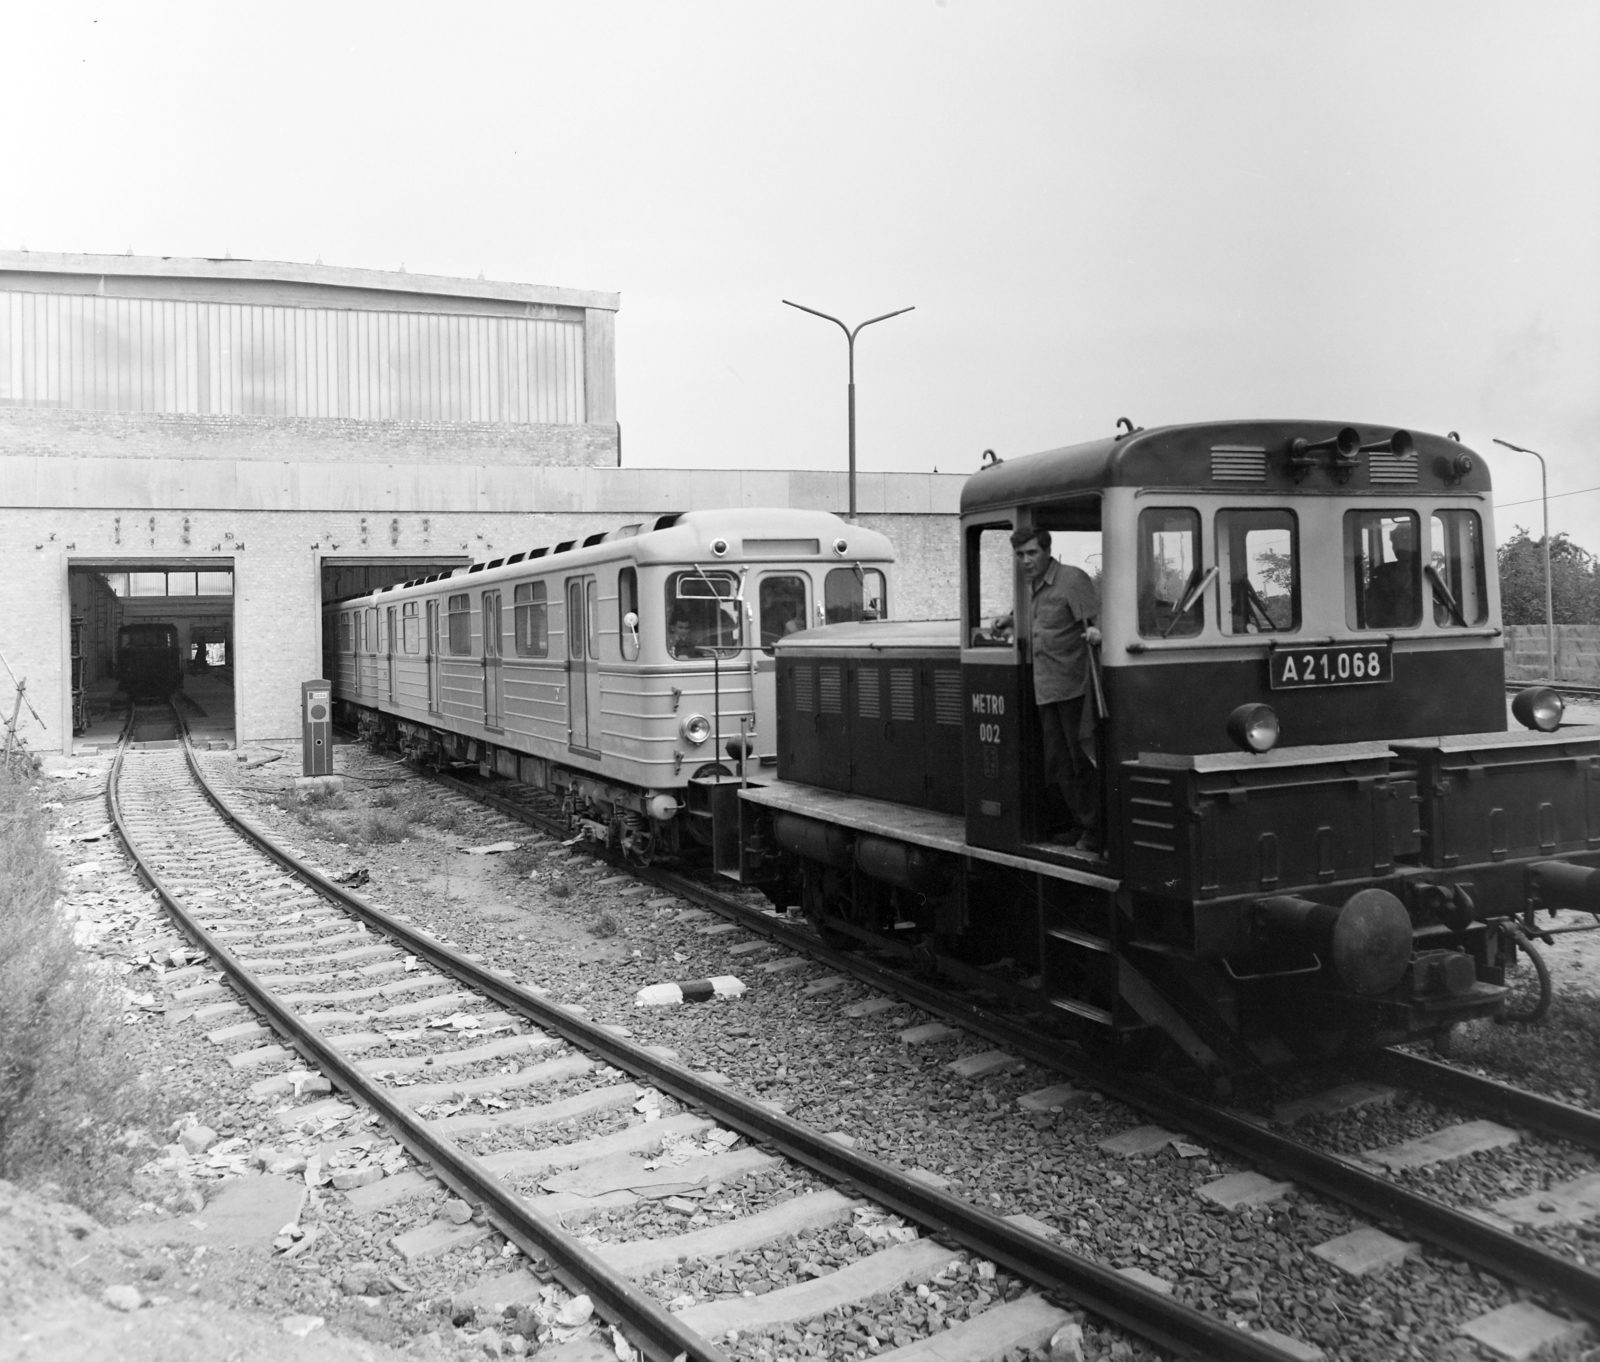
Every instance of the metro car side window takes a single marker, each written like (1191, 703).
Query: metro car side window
(1455, 569)
(1170, 573)
(532, 614)
(411, 628)
(460, 610)
(1258, 555)
(1382, 570)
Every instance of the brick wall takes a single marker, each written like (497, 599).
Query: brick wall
(121, 435)
(1577, 653)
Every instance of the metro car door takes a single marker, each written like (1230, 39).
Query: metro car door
(388, 648)
(583, 672)
(432, 663)
(491, 659)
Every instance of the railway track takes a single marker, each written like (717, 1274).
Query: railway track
(1505, 1244)
(320, 967)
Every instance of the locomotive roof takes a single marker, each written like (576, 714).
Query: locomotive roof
(1233, 456)
(752, 534)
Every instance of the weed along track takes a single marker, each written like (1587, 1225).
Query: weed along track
(450, 1087)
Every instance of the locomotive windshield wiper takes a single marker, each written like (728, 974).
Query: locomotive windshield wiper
(1194, 593)
(1441, 592)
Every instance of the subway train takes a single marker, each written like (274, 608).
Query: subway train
(1320, 836)
(611, 670)
(148, 666)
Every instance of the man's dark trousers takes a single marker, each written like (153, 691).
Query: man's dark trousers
(1067, 763)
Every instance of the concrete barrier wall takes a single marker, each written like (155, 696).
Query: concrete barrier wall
(1577, 653)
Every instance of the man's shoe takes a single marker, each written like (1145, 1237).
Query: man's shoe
(1069, 838)
(1091, 844)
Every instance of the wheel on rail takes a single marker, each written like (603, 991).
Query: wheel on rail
(1528, 982)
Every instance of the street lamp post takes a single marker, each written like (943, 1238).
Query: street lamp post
(1549, 596)
(850, 337)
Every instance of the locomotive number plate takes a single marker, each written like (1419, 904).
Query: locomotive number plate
(1343, 664)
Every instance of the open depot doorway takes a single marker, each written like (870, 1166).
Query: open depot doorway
(146, 628)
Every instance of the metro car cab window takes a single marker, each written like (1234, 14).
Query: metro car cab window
(460, 626)
(1258, 558)
(532, 611)
(1455, 569)
(781, 607)
(854, 593)
(628, 604)
(991, 579)
(410, 628)
(703, 613)
(1170, 573)
(1382, 570)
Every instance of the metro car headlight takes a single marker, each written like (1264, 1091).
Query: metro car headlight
(696, 728)
(1539, 708)
(1254, 727)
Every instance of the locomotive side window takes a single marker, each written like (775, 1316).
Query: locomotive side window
(460, 625)
(411, 628)
(628, 604)
(1258, 552)
(781, 607)
(1169, 571)
(1382, 570)
(854, 593)
(531, 600)
(991, 582)
(1455, 569)
(703, 612)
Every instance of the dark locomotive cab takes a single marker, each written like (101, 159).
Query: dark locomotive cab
(1319, 834)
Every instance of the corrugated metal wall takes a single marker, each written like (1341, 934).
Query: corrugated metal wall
(155, 355)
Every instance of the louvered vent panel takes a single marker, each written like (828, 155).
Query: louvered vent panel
(832, 690)
(1390, 469)
(1238, 463)
(805, 689)
(947, 696)
(869, 685)
(902, 694)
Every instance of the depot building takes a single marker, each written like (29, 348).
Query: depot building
(212, 448)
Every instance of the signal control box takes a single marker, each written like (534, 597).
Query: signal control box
(316, 728)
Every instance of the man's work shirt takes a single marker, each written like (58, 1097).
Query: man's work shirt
(1064, 603)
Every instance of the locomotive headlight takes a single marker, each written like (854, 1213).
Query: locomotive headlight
(696, 728)
(1254, 727)
(719, 547)
(839, 546)
(1540, 708)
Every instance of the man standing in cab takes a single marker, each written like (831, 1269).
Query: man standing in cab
(1063, 609)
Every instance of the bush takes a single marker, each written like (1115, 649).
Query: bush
(69, 1084)
(384, 799)
(382, 826)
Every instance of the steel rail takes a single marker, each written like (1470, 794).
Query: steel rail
(661, 1334)
(1548, 1115)
(1138, 1309)
(1370, 1193)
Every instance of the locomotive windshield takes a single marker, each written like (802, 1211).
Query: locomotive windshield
(1259, 554)
(782, 609)
(1169, 570)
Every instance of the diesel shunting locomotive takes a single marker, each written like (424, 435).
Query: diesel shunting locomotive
(1319, 834)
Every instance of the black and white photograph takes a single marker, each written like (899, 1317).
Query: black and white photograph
(913, 680)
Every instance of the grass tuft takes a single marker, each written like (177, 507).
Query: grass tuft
(605, 925)
(70, 1091)
(380, 827)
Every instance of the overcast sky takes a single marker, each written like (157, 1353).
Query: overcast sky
(1384, 212)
